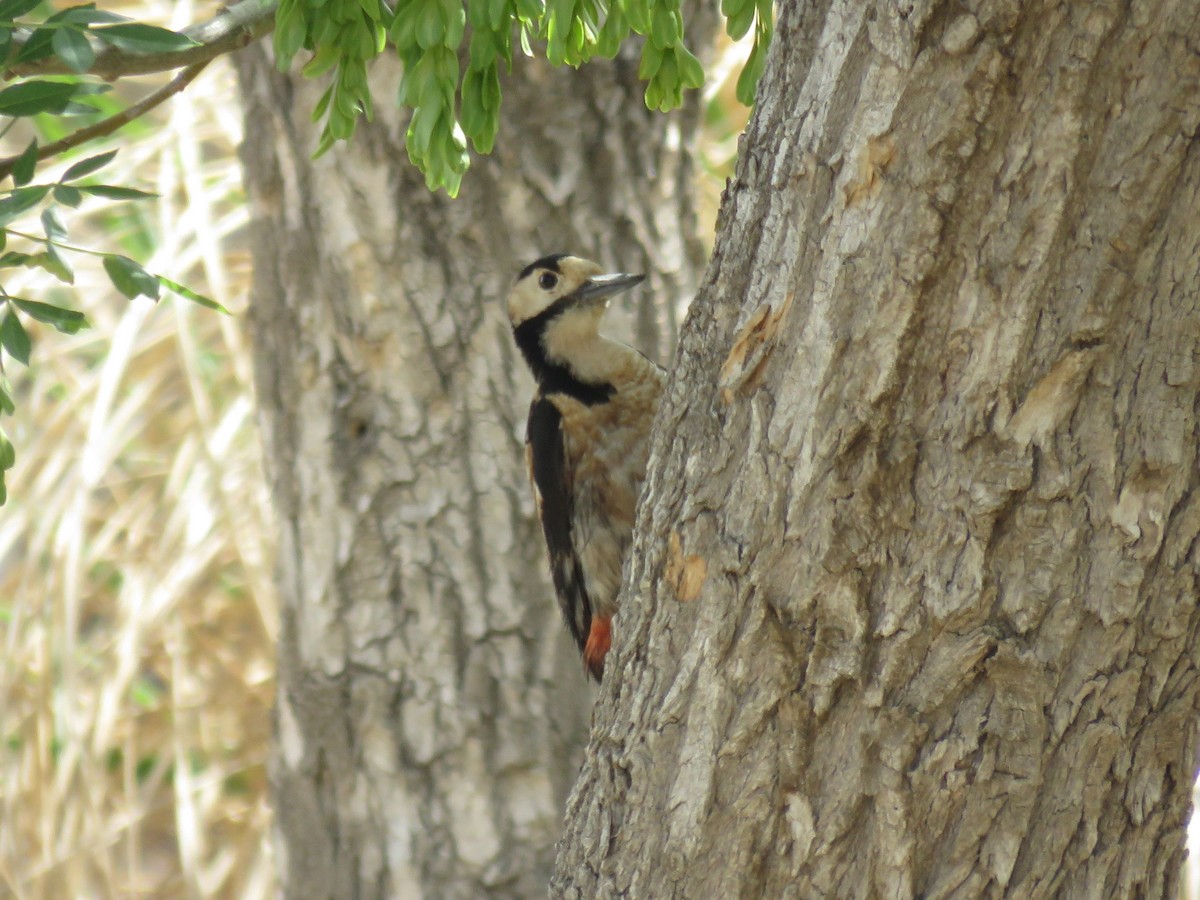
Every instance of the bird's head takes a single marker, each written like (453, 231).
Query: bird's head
(555, 309)
(564, 287)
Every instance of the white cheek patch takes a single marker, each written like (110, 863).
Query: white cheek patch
(527, 301)
(572, 339)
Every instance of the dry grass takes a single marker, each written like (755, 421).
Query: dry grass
(136, 609)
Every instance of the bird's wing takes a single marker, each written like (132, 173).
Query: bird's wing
(549, 472)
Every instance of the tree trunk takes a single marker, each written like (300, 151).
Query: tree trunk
(914, 590)
(431, 713)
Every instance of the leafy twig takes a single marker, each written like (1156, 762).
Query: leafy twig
(229, 30)
(113, 122)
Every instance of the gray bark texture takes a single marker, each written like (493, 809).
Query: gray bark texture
(912, 608)
(431, 713)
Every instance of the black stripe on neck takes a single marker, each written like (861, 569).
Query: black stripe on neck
(561, 380)
(554, 377)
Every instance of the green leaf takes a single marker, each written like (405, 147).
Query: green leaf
(20, 201)
(138, 37)
(88, 15)
(12, 259)
(323, 60)
(6, 401)
(115, 192)
(290, 32)
(37, 46)
(559, 14)
(477, 15)
(614, 32)
(430, 28)
(739, 16)
(68, 321)
(666, 26)
(638, 14)
(67, 195)
(56, 264)
(691, 72)
(766, 18)
(189, 294)
(15, 338)
(652, 59)
(372, 8)
(8, 458)
(479, 110)
(324, 144)
(747, 82)
(455, 18)
(74, 49)
(31, 97)
(528, 10)
(52, 224)
(26, 164)
(322, 105)
(130, 278)
(88, 166)
(14, 9)
(485, 47)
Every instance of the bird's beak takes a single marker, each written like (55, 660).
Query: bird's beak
(601, 286)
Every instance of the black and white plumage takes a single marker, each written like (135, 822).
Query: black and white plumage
(587, 438)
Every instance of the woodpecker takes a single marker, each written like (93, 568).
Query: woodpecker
(587, 437)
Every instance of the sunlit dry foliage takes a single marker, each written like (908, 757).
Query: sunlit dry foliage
(136, 608)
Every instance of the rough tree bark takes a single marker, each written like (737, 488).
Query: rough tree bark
(914, 605)
(431, 714)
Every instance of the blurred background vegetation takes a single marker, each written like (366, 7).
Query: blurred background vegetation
(137, 611)
(136, 605)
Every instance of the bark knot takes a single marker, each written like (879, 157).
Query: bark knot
(685, 574)
(743, 367)
(874, 159)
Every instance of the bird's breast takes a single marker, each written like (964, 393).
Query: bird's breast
(606, 446)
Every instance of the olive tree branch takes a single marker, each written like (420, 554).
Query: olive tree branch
(113, 122)
(229, 30)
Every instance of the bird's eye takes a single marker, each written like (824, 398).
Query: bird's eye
(547, 280)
